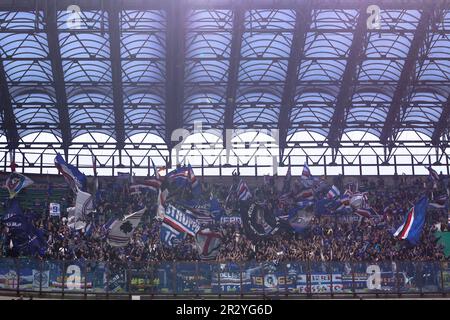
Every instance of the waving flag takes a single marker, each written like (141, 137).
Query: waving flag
(16, 182)
(258, 220)
(414, 221)
(334, 193)
(73, 176)
(83, 204)
(368, 213)
(306, 173)
(196, 187)
(287, 181)
(243, 191)
(181, 221)
(169, 235)
(162, 196)
(208, 244)
(26, 238)
(122, 230)
(300, 217)
(440, 202)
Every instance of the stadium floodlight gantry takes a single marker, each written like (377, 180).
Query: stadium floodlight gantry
(348, 86)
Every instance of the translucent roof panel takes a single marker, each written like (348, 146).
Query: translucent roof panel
(315, 67)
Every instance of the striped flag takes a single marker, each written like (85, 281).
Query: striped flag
(306, 173)
(208, 244)
(243, 191)
(334, 193)
(122, 230)
(73, 176)
(414, 221)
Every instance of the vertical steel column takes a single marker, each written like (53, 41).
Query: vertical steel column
(63, 282)
(174, 278)
(16, 265)
(218, 279)
(41, 269)
(107, 273)
(353, 279)
(85, 280)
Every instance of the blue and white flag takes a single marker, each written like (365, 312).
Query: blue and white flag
(411, 228)
(208, 244)
(299, 218)
(181, 221)
(26, 238)
(121, 230)
(306, 173)
(243, 191)
(16, 182)
(170, 236)
(334, 193)
(433, 176)
(73, 176)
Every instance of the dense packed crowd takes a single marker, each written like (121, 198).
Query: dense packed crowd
(327, 239)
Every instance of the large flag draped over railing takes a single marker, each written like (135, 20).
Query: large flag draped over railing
(412, 226)
(121, 230)
(73, 176)
(16, 182)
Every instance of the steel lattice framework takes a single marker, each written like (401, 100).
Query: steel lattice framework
(120, 79)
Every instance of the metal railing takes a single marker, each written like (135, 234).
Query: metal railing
(253, 279)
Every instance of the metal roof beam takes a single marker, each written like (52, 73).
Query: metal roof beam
(175, 61)
(58, 73)
(116, 70)
(442, 124)
(233, 70)
(408, 72)
(302, 24)
(9, 120)
(344, 97)
(11, 5)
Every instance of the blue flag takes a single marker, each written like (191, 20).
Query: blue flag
(73, 176)
(26, 238)
(411, 228)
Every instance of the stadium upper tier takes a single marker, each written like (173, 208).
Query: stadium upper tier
(129, 73)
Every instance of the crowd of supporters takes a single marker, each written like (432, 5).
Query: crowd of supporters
(328, 238)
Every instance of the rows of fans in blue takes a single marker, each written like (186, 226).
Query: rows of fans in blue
(308, 218)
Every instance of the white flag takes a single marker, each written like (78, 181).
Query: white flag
(122, 230)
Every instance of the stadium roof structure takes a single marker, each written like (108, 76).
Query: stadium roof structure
(120, 79)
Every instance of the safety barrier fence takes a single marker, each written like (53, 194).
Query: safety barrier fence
(22, 275)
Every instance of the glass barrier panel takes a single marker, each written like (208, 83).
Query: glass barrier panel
(445, 280)
(208, 278)
(29, 274)
(8, 274)
(96, 276)
(164, 278)
(342, 277)
(274, 277)
(297, 277)
(142, 278)
(230, 278)
(252, 278)
(75, 280)
(412, 283)
(54, 272)
(117, 277)
(321, 281)
(186, 278)
(428, 275)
